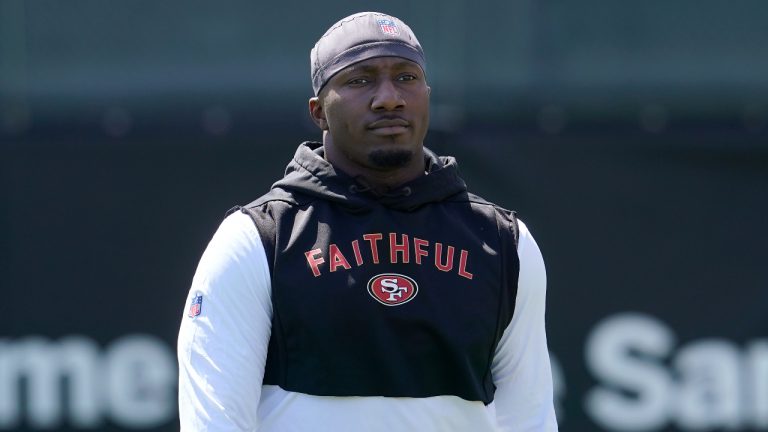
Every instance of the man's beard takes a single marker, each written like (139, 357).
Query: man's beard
(390, 158)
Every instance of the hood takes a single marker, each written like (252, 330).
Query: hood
(310, 174)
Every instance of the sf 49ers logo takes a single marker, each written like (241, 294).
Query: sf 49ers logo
(392, 289)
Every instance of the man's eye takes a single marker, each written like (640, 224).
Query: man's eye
(358, 81)
(407, 77)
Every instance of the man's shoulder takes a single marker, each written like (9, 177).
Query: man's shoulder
(476, 201)
(277, 197)
(268, 206)
(504, 218)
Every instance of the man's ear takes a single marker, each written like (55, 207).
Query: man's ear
(317, 113)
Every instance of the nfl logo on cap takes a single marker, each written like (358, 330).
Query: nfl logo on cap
(388, 27)
(196, 306)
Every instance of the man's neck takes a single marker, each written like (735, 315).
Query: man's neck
(383, 182)
(380, 180)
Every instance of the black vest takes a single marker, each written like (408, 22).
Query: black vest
(385, 302)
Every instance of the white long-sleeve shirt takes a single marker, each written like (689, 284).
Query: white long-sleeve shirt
(223, 350)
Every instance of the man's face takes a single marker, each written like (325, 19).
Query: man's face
(376, 114)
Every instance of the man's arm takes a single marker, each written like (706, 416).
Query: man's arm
(223, 349)
(521, 368)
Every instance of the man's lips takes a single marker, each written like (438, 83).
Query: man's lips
(388, 126)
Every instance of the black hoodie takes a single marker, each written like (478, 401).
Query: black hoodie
(404, 293)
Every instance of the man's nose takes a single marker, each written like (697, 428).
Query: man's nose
(387, 97)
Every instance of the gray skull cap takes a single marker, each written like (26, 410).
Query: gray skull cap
(360, 37)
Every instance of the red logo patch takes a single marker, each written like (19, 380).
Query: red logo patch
(392, 289)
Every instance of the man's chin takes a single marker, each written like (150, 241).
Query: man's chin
(390, 158)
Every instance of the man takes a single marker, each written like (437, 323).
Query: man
(368, 290)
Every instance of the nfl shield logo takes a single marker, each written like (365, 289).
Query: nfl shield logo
(388, 27)
(196, 306)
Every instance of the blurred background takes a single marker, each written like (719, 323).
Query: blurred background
(631, 137)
